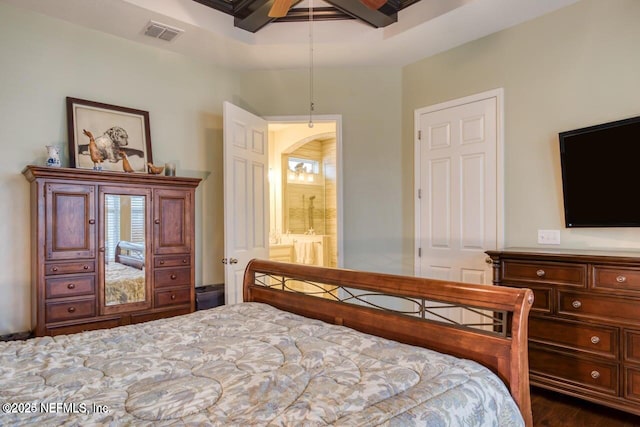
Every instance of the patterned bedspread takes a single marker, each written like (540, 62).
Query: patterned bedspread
(123, 284)
(246, 364)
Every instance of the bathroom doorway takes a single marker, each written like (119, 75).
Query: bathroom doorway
(305, 191)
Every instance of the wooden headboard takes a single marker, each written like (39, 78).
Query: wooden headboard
(502, 348)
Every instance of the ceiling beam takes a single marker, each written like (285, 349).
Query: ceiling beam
(375, 18)
(319, 14)
(251, 15)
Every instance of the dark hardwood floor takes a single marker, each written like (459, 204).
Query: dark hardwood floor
(552, 409)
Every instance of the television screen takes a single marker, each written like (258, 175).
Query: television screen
(601, 174)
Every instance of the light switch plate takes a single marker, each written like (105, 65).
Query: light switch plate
(549, 237)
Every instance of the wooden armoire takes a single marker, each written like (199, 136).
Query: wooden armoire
(109, 248)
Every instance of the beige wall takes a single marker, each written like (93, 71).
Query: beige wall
(46, 60)
(576, 67)
(368, 99)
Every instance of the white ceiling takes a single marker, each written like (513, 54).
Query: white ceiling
(423, 29)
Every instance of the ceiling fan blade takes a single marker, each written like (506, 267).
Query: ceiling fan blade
(373, 4)
(279, 8)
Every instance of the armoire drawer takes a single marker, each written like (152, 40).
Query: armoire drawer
(599, 306)
(69, 267)
(596, 375)
(172, 260)
(600, 340)
(173, 297)
(70, 286)
(616, 279)
(537, 272)
(172, 277)
(69, 310)
(632, 346)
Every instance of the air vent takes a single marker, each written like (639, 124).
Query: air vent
(161, 31)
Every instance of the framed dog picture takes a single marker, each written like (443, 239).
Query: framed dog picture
(108, 137)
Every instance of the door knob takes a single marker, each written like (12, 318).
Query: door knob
(488, 260)
(224, 260)
(233, 261)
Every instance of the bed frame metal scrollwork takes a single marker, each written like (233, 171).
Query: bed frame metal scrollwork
(409, 310)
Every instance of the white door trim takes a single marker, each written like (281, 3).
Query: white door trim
(498, 94)
(337, 118)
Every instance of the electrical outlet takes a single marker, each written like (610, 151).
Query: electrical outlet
(549, 237)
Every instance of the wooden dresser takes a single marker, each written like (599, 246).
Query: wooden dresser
(109, 248)
(584, 327)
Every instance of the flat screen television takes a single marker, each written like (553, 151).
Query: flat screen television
(601, 174)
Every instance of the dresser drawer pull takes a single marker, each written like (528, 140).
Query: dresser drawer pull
(595, 339)
(54, 268)
(173, 296)
(71, 286)
(162, 262)
(595, 375)
(621, 279)
(576, 304)
(184, 260)
(71, 309)
(540, 273)
(173, 277)
(86, 267)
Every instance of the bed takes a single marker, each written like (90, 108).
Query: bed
(125, 276)
(286, 358)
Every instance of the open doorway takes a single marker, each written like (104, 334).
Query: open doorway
(305, 191)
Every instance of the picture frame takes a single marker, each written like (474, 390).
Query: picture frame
(120, 136)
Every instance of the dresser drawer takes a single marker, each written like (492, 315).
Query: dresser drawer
(616, 279)
(172, 260)
(70, 286)
(540, 272)
(542, 300)
(173, 297)
(172, 277)
(599, 306)
(69, 267)
(595, 375)
(632, 384)
(600, 340)
(61, 311)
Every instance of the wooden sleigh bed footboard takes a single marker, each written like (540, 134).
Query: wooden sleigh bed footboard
(416, 311)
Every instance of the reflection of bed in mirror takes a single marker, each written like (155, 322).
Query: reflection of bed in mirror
(125, 276)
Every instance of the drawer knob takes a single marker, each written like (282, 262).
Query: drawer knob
(540, 273)
(184, 260)
(156, 221)
(595, 375)
(595, 339)
(71, 286)
(71, 309)
(173, 277)
(54, 268)
(173, 296)
(576, 304)
(92, 221)
(621, 279)
(161, 262)
(86, 267)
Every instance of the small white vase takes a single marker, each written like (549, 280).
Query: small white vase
(53, 158)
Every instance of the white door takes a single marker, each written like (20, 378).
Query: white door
(458, 171)
(246, 195)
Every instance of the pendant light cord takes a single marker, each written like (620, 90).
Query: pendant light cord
(311, 105)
